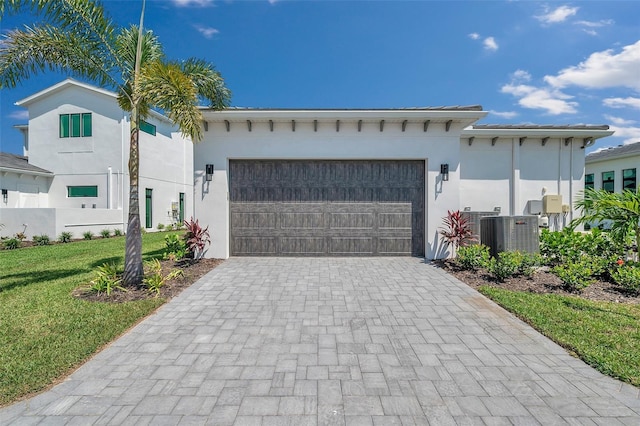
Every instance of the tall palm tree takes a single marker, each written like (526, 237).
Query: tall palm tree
(78, 37)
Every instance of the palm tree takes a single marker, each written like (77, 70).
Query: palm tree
(620, 209)
(77, 37)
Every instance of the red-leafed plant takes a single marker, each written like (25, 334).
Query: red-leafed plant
(457, 230)
(196, 238)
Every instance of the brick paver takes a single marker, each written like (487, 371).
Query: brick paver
(358, 341)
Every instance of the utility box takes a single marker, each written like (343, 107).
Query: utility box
(534, 207)
(474, 220)
(552, 204)
(510, 233)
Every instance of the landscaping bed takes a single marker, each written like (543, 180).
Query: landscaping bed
(542, 282)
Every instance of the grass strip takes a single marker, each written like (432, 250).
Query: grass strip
(604, 335)
(44, 331)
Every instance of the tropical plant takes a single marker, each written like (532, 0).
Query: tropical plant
(196, 238)
(457, 230)
(117, 232)
(627, 276)
(505, 265)
(175, 248)
(621, 210)
(41, 240)
(107, 279)
(153, 278)
(160, 226)
(77, 37)
(87, 235)
(105, 233)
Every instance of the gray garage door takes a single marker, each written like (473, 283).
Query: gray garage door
(326, 208)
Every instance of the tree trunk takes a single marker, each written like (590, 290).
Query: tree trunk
(133, 271)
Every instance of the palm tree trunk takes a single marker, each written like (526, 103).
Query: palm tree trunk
(133, 271)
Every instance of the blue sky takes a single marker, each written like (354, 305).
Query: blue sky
(524, 61)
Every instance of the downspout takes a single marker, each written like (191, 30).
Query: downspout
(571, 182)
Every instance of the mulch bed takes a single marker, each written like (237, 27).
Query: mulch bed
(192, 272)
(542, 282)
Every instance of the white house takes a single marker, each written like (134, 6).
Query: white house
(374, 182)
(613, 169)
(76, 176)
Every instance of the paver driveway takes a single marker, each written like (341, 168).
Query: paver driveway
(331, 341)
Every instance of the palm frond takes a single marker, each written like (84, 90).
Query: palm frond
(208, 82)
(26, 52)
(165, 86)
(126, 46)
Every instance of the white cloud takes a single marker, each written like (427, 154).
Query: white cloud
(520, 76)
(596, 24)
(504, 114)
(474, 36)
(590, 32)
(19, 115)
(208, 32)
(603, 70)
(273, 1)
(620, 121)
(622, 102)
(553, 101)
(630, 133)
(490, 44)
(200, 3)
(560, 14)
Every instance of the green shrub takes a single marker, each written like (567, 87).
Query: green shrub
(568, 246)
(41, 240)
(117, 232)
(65, 237)
(11, 243)
(105, 233)
(627, 276)
(175, 247)
(575, 275)
(153, 278)
(506, 265)
(87, 235)
(529, 263)
(106, 279)
(473, 257)
(160, 226)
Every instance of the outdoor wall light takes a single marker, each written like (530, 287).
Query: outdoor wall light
(209, 172)
(5, 195)
(444, 171)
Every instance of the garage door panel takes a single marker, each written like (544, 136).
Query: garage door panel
(290, 207)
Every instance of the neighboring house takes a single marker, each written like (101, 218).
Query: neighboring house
(76, 176)
(374, 182)
(613, 169)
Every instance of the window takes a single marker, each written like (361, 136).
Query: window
(75, 125)
(148, 223)
(147, 127)
(82, 191)
(629, 179)
(607, 181)
(588, 181)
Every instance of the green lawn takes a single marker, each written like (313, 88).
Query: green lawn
(44, 331)
(604, 335)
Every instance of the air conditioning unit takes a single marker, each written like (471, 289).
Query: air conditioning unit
(474, 219)
(510, 233)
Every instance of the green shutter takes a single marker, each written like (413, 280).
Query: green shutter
(64, 125)
(82, 191)
(148, 208)
(147, 128)
(86, 124)
(75, 125)
(181, 211)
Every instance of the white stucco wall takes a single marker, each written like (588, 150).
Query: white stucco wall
(435, 147)
(508, 175)
(24, 190)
